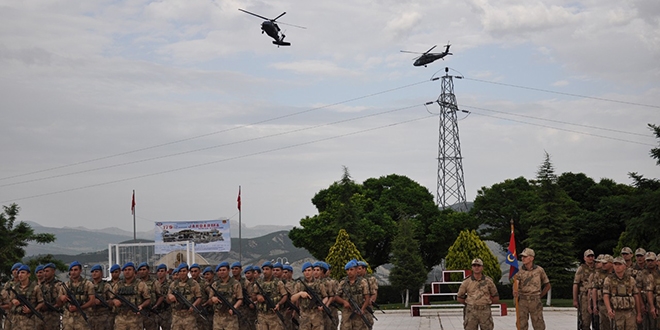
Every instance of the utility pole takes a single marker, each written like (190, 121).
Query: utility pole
(451, 185)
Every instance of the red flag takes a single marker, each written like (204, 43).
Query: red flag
(512, 256)
(238, 200)
(133, 204)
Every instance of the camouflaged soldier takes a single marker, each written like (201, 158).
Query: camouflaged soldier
(653, 296)
(115, 271)
(267, 319)
(645, 282)
(50, 291)
(621, 297)
(640, 258)
(287, 273)
(355, 288)
(223, 316)
(372, 284)
(597, 280)
(22, 316)
(161, 306)
(99, 314)
(183, 317)
(249, 310)
(531, 283)
(627, 255)
(581, 289)
(209, 277)
(83, 293)
(312, 316)
(148, 321)
(136, 292)
(195, 271)
(331, 286)
(5, 295)
(478, 292)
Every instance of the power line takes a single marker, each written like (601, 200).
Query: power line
(216, 132)
(219, 161)
(564, 93)
(210, 147)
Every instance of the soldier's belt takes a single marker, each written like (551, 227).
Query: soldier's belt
(529, 297)
(478, 306)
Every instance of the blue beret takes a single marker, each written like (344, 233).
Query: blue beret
(39, 268)
(143, 264)
(183, 265)
(256, 269)
(113, 268)
(267, 264)
(50, 265)
(207, 270)
(96, 267)
(220, 265)
(161, 266)
(74, 264)
(247, 268)
(288, 267)
(362, 263)
(195, 265)
(236, 264)
(278, 265)
(175, 270)
(24, 268)
(16, 266)
(128, 264)
(351, 264)
(306, 265)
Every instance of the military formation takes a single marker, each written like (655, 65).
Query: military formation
(228, 297)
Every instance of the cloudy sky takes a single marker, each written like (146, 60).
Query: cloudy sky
(185, 100)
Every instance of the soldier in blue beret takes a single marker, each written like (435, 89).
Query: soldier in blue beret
(83, 292)
(100, 316)
(356, 287)
(164, 310)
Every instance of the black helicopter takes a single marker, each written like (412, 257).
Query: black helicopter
(272, 30)
(427, 57)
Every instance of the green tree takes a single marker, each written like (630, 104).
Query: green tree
(341, 253)
(409, 272)
(655, 152)
(42, 260)
(15, 237)
(467, 247)
(551, 236)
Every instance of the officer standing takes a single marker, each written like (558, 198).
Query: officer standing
(581, 289)
(531, 283)
(478, 292)
(621, 297)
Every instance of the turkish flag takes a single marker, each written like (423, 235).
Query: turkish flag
(238, 200)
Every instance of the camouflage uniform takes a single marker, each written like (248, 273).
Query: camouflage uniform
(357, 290)
(50, 291)
(311, 318)
(477, 295)
(249, 315)
(201, 323)
(654, 287)
(531, 281)
(136, 292)
(372, 285)
(81, 291)
(597, 281)
(332, 288)
(182, 317)
(233, 292)
(266, 318)
(164, 310)
(99, 315)
(645, 283)
(288, 313)
(582, 281)
(20, 320)
(621, 293)
(9, 318)
(150, 322)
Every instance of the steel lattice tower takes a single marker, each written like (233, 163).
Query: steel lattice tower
(451, 185)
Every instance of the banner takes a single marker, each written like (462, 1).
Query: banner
(207, 235)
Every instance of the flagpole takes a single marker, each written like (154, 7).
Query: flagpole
(134, 233)
(240, 237)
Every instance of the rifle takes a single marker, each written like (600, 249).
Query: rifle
(269, 302)
(288, 304)
(595, 320)
(375, 304)
(74, 301)
(371, 311)
(103, 302)
(25, 302)
(52, 307)
(181, 299)
(319, 302)
(357, 310)
(225, 301)
(246, 298)
(128, 304)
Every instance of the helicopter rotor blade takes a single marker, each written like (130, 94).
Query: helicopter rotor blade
(275, 19)
(405, 51)
(253, 14)
(430, 49)
(298, 26)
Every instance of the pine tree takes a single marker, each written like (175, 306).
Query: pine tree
(409, 273)
(467, 247)
(341, 253)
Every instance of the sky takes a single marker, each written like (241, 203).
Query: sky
(184, 101)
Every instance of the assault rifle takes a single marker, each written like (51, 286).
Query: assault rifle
(318, 301)
(375, 304)
(74, 301)
(246, 299)
(103, 302)
(128, 304)
(52, 307)
(181, 299)
(225, 301)
(25, 302)
(357, 309)
(269, 302)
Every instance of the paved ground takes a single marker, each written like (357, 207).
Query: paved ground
(555, 319)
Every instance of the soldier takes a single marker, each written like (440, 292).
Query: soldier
(209, 278)
(99, 316)
(195, 273)
(50, 291)
(621, 297)
(289, 311)
(277, 270)
(182, 315)
(626, 253)
(372, 284)
(39, 272)
(581, 288)
(478, 292)
(162, 307)
(531, 284)
(22, 315)
(134, 291)
(640, 255)
(115, 271)
(5, 294)
(653, 296)
(236, 270)
(321, 273)
(289, 284)
(274, 290)
(82, 291)
(250, 310)
(149, 320)
(311, 315)
(223, 316)
(353, 289)
(645, 282)
(597, 281)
